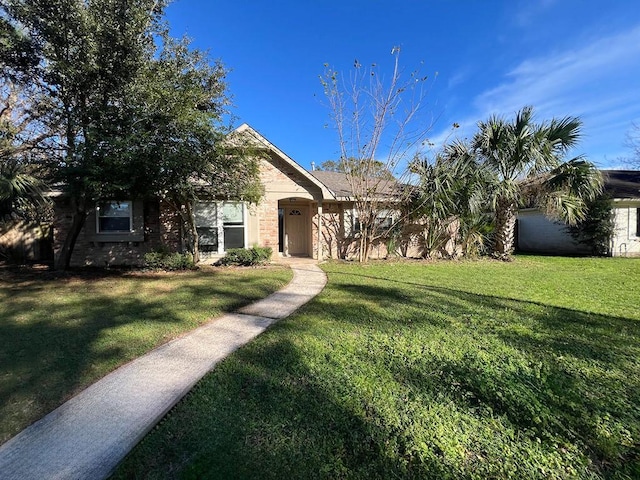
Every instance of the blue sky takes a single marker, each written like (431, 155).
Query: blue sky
(564, 57)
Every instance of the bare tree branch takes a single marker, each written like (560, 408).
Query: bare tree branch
(380, 126)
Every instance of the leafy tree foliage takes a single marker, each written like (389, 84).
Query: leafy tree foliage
(130, 118)
(21, 141)
(176, 100)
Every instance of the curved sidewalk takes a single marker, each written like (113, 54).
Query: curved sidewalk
(88, 436)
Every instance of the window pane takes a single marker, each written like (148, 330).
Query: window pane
(115, 209)
(205, 213)
(232, 213)
(208, 239)
(384, 222)
(233, 237)
(115, 224)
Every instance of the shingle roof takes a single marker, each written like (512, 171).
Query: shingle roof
(339, 184)
(617, 183)
(622, 183)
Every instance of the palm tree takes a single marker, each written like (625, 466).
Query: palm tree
(21, 194)
(448, 199)
(526, 160)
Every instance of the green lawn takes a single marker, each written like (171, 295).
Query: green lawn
(529, 369)
(60, 333)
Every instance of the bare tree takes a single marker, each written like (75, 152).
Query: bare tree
(380, 124)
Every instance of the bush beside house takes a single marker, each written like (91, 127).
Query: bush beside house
(246, 257)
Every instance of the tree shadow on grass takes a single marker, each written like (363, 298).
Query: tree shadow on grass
(537, 378)
(576, 379)
(53, 348)
(586, 335)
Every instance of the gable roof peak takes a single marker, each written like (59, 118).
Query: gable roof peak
(245, 128)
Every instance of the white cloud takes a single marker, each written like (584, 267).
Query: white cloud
(597, 81)
(565, 77)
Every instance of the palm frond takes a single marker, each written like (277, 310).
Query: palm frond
(567, 189)
(20, 191)
(564, 133)
(577, 177)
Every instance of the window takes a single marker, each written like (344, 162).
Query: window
(637, 222)
(113, 221)
(114, 217)
(383, 222)
(233, 223)
(220, 225)
(206, 214)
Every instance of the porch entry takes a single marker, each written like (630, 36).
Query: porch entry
(294, 230)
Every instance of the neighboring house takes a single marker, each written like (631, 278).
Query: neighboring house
(302, 213)
(624, 187)
(538, 234)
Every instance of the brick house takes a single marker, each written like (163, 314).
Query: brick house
(302, 213)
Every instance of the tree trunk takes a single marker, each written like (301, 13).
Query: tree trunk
(365, 243)
(189, 218)
(505, 218)
(194, 233)
(79, 215)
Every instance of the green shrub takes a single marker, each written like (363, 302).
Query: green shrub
(163, 260)
(597, 229)
(246, 256)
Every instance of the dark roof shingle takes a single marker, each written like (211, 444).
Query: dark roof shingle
(339, 184)
(622, 183)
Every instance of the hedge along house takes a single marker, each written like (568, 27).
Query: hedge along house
(289, 218)
(538, 234)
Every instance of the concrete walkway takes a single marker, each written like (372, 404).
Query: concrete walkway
(89, 435)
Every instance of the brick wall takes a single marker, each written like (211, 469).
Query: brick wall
(169, 227)
(267, 212)
(337, 242)
(281, 181)
(161, 229)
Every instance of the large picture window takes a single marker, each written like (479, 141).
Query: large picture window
(114, 217)
(220, 225)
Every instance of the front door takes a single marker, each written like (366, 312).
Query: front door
(296, 225)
